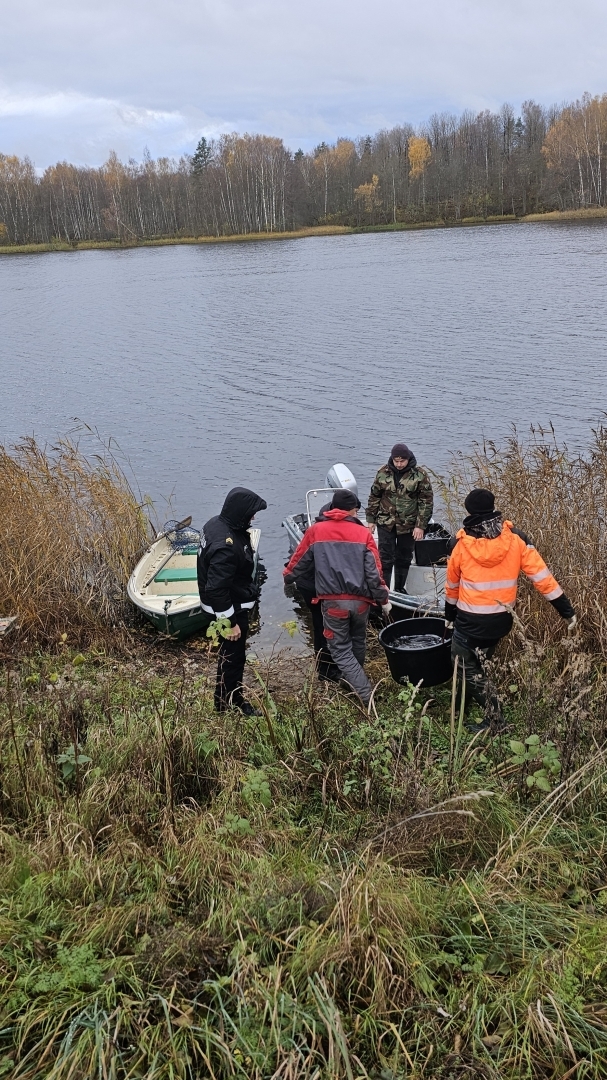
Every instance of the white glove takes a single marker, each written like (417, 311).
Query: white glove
(571, 625)
(449, 625)
(386, 608)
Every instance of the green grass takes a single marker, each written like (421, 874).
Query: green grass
(306, 894)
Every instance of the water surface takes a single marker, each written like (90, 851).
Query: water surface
(264, 363)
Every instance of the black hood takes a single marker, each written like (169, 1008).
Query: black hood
(484, 526)
(412, 462)
(240, 506)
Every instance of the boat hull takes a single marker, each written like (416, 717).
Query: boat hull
(164, 587)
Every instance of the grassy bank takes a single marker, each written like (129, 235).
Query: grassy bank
(319, 230)
(308, 894)
(587, 214)
(316, 892)
(103, 245)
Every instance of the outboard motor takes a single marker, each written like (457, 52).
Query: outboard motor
(339, 476)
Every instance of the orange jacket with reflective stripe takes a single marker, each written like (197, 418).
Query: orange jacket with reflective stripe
(482, 575)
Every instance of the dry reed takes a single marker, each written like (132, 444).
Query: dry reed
(71, 531)
(560, 500)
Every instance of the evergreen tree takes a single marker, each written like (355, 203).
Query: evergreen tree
(203, 155)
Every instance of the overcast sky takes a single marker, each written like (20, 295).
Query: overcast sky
(81, 77)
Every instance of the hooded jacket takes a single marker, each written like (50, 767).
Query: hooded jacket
(482, 577)
(401, 499)
(225, 561)
(345, 559)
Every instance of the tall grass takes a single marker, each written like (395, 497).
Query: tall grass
(163, 916)
(71, 531)
(560, 499)
(309, 894)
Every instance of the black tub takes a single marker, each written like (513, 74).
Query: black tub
(432, 550)
(432, 666)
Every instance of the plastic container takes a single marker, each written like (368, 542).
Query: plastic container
(432, 665)
(430, 551)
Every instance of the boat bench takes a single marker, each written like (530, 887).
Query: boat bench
(188, 573)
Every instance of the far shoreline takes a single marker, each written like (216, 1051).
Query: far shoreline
(592, 213)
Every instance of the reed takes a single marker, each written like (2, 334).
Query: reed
(312, 894)
(560, 499)
(71, 530)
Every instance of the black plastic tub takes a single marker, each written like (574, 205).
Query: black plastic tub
(432, 665)
(431, 551)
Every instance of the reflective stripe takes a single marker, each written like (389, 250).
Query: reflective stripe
(480, 586)
(554, 593)
(540, 575)
(249, 604)
(218, 614)
(480, 609)
(452, 584)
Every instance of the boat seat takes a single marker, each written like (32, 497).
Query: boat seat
(187, 573)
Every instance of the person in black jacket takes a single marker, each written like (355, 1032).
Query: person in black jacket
(227, 590)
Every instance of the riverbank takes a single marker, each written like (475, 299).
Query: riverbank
(319, 230)
(315, 892)
(310, 893)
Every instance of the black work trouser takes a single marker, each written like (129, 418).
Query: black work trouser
(324, 660)
(474, 653)
(395, 550)
(230, 666)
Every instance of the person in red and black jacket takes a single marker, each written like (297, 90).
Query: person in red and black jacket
(348, 581)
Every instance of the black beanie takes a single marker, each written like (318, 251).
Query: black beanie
(480, 501)
(345, 500)
(400, 449)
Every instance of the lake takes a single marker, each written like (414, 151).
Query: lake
(263, 363)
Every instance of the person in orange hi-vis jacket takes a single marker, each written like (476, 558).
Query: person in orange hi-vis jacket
(487, 556)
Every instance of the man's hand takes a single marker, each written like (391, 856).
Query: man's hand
(371, 527)
(418, 534)
(234, 633)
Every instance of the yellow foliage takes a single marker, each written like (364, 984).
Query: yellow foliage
(419, 156)
(368, 195)
(3, 233)
(580, 133)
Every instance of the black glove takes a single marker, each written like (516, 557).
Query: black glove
(450, 611)
(564, 606)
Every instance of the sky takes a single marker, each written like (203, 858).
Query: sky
(79, 78)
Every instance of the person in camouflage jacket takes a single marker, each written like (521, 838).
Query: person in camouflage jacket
(400, 506)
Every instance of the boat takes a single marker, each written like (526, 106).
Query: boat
(164, 584)
(427, 573)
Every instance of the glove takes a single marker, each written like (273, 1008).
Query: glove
(449, 625)
(571, 625)
(386, 608)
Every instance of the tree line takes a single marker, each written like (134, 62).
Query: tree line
(450, 169)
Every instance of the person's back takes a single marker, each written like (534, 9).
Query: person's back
(345, 562)
(347, 574)
(481, 588)
(225, 571)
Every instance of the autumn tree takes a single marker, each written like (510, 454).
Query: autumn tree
(367, 196)
(419, 157)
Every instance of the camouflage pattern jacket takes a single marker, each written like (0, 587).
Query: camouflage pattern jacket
(406, 503)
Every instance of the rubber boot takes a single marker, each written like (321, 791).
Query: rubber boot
(400, 580)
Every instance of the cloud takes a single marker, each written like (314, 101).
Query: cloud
(83, 76)
(69, 125)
